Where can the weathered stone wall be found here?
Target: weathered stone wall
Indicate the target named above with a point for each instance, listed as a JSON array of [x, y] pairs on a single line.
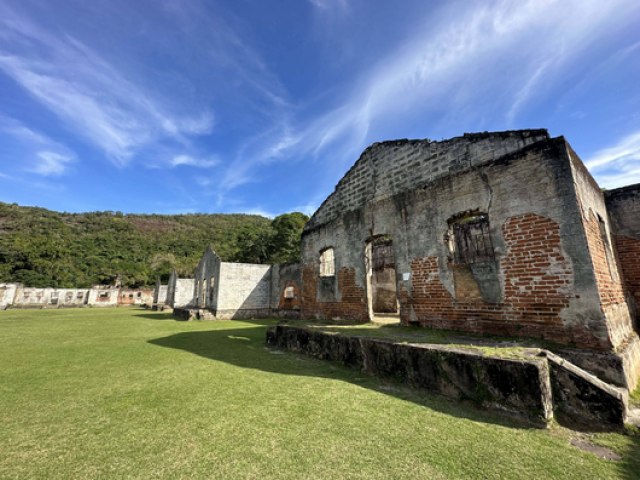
[[341, 297], [541, 283], [51, 297], [103, 297], [180, 291], [601, 247], [8, 294], [383, 291], [538, 286], [387, 168], [244, 290], [183, 292], [581, 399], [207, 280], [286, 278], [161, 293], [623, 205], [142, 296]]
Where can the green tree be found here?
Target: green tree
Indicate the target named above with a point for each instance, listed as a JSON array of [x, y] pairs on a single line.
[[287, 230]]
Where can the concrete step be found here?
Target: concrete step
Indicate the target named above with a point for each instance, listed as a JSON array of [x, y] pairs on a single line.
[[633, 417]]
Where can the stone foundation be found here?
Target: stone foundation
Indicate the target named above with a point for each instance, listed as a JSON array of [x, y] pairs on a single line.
[[530, 387], [231, 314], [620, 368]]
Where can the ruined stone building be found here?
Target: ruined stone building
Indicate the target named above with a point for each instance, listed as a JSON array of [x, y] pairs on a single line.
[[160, 293], [502, 233], [135, 296], [180, 291], [18, 296], [7, 294], [224, 290]]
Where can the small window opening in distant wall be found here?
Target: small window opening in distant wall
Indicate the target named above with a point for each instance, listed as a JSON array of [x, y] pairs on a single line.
[[289, 292], [139, 294], [327, 263], [469, 239], [105, 295], [80, 295]]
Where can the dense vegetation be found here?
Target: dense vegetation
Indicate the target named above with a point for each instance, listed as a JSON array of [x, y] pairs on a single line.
[[42, 248]]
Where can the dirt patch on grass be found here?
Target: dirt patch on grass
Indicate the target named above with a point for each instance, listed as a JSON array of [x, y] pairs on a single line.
[[598, 450]]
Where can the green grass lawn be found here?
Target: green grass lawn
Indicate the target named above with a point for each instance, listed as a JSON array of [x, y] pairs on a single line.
[[114, 393]]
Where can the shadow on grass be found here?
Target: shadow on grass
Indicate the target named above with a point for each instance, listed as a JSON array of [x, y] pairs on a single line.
[[156, 316], [630, 464], [246, 348]]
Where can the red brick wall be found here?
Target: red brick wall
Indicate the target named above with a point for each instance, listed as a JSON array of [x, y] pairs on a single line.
[[290, 303], [610, 289], [537, 287], [352, 304], [629, 255]]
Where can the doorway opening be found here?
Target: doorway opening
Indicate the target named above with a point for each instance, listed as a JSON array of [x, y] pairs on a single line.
[[382, 289]]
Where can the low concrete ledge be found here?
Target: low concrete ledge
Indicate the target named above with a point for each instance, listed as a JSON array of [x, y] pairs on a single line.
[[184, 313], [243, 313], [534, 386], [580, 398], [620, 368], [518, 387]]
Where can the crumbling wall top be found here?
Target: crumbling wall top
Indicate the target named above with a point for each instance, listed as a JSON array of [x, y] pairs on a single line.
[[394, 166]]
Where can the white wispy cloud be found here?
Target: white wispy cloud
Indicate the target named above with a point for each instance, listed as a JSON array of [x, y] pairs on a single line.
[[89, 94], [191, 161], [493, 55], [40, 154], [330, 4], [619, 164], [523, 41], [51, 163]]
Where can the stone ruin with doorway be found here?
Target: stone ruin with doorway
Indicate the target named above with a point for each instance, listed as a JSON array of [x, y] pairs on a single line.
[[225, 290], [500, 234]]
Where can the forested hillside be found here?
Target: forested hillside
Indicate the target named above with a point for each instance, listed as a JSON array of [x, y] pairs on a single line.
[[39, 247]]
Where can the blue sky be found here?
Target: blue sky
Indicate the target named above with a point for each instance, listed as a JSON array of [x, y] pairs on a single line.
[[261, 106]]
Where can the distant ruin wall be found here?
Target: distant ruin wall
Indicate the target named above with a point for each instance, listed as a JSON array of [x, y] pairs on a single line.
[[17, 296], [183, 293], [244, 290], [623, 205], [139, 297], [8, 294], [286, 290], [103, 297], [51, 297]]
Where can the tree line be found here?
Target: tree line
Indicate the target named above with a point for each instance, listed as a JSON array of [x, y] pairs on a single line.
[[43, 248]]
